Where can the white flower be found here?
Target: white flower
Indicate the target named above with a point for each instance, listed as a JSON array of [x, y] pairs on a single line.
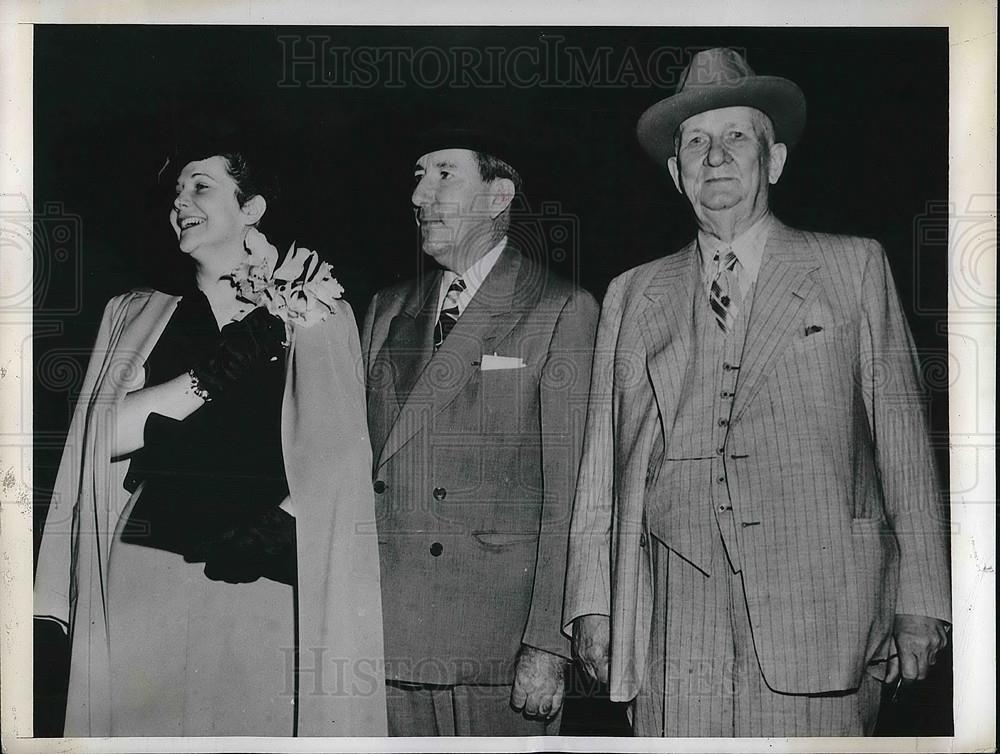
[[301, 291]]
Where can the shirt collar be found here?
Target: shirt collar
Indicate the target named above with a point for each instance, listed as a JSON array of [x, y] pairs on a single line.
[[748, 247], [475, 275]]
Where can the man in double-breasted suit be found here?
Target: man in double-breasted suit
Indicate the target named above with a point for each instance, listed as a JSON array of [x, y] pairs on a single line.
[[478, 376], [758, 532]]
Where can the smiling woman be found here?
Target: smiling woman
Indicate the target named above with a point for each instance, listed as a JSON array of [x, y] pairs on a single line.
[[199, 533]]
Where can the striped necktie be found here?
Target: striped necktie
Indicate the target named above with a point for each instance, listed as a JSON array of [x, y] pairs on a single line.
[[725, 294], [449, 312]]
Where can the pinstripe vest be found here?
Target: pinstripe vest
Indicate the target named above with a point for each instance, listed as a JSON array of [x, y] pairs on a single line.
[[693, 475]]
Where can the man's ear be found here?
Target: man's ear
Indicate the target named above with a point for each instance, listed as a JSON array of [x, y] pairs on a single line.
[[254, 208], [501, 195], [779, 153], [675, 172]]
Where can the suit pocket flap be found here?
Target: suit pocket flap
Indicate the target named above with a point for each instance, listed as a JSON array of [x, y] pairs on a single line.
[[496, 540]]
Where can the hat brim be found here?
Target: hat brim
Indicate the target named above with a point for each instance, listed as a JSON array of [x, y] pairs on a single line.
[[780, 99]]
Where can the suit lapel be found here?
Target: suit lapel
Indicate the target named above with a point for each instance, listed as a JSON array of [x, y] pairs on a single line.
[[438, 377], [667, 328], [409, 344], [403, 356], [785, 283]]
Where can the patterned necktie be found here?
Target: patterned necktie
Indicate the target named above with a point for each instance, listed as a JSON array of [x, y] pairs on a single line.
[[725, 293], [449, 312]]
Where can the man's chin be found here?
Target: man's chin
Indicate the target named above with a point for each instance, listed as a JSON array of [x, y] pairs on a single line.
[[436, 249], [719, 201]]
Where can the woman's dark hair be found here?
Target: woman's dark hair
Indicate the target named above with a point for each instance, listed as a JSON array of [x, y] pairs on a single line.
[[250, 180]]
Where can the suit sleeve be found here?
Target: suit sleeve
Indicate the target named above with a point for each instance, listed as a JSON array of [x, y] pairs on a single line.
[[563, 387], [588, 571], [910, 485]]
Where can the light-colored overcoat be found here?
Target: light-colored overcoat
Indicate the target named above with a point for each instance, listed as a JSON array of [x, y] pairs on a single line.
[[327, 460]]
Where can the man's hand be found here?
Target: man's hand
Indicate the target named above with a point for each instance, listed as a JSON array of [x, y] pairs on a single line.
[[539, 683], [591, 639], [918, 640]]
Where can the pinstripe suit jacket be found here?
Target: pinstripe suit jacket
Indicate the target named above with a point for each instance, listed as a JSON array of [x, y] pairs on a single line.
[[475, 470], [838, 466]]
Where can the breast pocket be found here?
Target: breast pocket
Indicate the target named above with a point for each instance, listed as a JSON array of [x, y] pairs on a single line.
[[509, 398]]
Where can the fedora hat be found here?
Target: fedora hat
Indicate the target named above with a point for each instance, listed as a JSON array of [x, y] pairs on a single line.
[[718, 78], [478, 135]]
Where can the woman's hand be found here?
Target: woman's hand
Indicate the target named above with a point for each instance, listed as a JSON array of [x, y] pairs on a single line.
[[242, 346], [262, 545], [255, 339]]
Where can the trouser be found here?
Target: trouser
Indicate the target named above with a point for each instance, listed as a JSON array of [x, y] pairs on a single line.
[[703, 677], [431, 710]]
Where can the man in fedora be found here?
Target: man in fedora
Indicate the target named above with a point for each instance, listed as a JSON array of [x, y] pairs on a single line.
[[758, 533], [478, 376]]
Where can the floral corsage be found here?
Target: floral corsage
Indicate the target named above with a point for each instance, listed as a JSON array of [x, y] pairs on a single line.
[[301, 291]]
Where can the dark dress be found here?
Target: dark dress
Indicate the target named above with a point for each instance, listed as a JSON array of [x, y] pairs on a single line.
[[205, 656]]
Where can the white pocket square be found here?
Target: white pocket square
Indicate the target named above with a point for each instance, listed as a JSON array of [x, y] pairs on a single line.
[[492, 361]]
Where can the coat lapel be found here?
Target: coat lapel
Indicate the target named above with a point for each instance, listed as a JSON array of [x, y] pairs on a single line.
[[438, 377], [403, 356], [410, 342], [667, 328], [785, 283]]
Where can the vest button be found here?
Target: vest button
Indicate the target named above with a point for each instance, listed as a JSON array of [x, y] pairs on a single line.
[[436, 549], [440, 493], [723, 508], [720, 451], [379, 486], [723, 422], [721, 479]]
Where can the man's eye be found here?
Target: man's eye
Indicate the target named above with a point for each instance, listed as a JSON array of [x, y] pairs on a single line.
[[736, 134], [445, 174]]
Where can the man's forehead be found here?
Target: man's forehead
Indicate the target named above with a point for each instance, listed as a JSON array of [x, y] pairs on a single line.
[[739, 114], [453, 157]]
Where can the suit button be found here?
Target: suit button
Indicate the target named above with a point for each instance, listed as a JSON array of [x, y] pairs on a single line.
[[720, 451], [642, 540], [436, 549], [440, 493], [724, 508], [723, 422], [379, 486]]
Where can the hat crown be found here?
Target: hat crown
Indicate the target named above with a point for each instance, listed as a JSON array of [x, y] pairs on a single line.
[[720, 66]]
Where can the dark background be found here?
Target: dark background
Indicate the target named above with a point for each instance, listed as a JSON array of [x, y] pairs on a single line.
[[110, 102]]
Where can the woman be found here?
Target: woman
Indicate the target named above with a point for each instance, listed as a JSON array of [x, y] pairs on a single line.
[[213, 510]]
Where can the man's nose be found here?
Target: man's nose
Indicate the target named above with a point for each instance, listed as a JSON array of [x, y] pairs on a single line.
[[422, 194], [717, 153]]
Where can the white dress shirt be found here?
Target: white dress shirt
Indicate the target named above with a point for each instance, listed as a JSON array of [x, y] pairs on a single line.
[[748, 247], [473, 277]]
